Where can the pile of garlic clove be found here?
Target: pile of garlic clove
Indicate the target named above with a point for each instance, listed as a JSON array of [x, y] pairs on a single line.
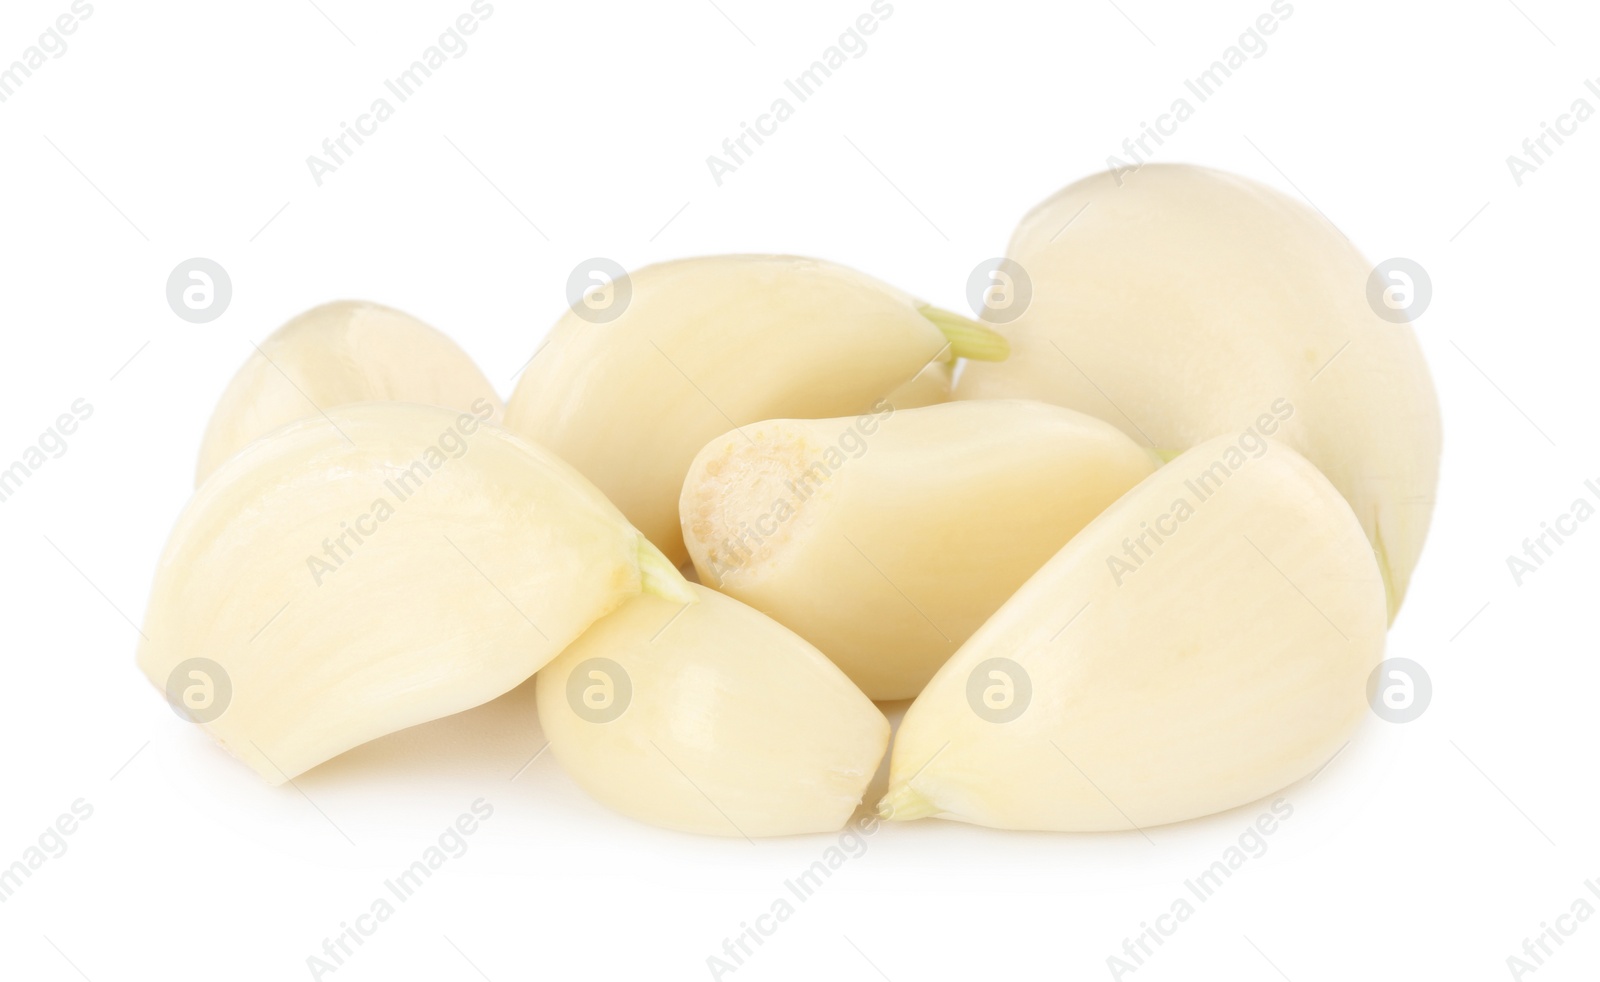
[[1132, 552]]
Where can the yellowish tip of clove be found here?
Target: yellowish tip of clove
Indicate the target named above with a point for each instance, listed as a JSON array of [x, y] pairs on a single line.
[[968, 338]]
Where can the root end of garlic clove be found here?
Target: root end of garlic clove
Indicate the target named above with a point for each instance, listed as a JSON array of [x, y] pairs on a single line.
[[968, 338], [892, 557]]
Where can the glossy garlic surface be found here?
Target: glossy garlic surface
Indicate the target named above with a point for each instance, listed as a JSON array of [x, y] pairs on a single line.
[[887, 539], [1185, 303], [704, 344], [710, 718], [387, 565], [1144, 677]]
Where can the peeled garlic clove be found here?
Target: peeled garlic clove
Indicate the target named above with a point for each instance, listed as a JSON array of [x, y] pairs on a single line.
[[1182, 303], [1203, 643], [710, 718], [334, 355], [886, 540], [389, 564], [705, 344]]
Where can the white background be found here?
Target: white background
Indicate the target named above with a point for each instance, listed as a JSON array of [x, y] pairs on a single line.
[[166, 131]]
